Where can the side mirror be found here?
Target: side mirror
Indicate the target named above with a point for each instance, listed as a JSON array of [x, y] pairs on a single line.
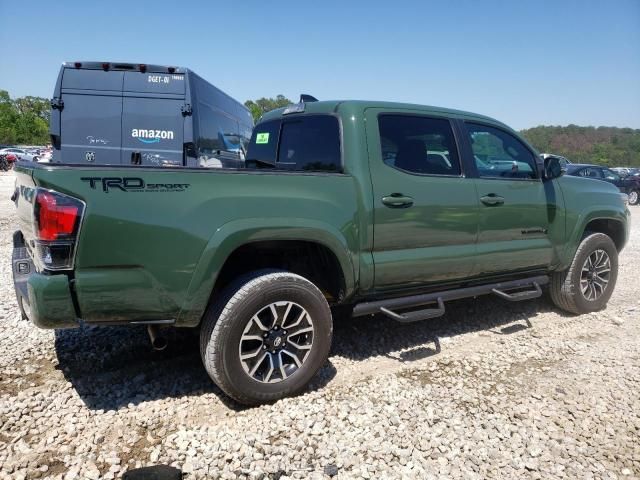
[[553, 168]]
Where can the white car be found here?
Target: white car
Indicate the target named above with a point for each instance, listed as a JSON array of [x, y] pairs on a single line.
[[45, 156], [21, 154]]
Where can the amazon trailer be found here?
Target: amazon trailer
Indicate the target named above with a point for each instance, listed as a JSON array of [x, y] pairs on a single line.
[[151, 115]]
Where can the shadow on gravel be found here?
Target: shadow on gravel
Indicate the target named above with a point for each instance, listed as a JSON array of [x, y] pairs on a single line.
[[112, 367], [360, 338]]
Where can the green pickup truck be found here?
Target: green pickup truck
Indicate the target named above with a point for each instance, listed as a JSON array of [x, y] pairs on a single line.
[[363, 207]]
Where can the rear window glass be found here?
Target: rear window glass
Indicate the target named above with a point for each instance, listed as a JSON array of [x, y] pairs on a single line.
[[263, 146], [310, 144], [306, 143]]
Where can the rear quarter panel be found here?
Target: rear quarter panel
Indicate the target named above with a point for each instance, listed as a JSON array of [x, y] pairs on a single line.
[[139, 248]]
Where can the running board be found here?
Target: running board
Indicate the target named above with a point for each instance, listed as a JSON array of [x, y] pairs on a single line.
[[388, 307]]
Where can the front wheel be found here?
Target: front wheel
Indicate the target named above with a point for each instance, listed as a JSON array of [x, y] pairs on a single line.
[[633, 197], [266, 336], [588, 283]]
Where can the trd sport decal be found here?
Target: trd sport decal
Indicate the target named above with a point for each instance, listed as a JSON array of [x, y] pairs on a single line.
[[132, 184]]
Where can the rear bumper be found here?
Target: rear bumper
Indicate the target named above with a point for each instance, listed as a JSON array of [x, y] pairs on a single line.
[[44, 299]]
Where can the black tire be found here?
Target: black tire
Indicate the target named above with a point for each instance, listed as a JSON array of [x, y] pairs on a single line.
[[565, 288], [634, 197], [36, 159], [226, 319]]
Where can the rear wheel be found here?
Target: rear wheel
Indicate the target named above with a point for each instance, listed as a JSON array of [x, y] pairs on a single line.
[[588, 283], [266, 337]]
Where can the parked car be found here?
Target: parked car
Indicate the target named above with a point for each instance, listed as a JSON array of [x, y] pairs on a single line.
[[45, 156], [339, 207], [21, 154], [629, 185], [626, 171]]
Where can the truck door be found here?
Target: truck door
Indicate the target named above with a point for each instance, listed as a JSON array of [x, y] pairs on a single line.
[[90, 116], [514, 208], [152, 119], [425, 209]]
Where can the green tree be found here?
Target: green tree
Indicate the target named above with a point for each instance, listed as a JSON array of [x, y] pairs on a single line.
[[264, 105], [24, 120], [8, 117], [38, 106]]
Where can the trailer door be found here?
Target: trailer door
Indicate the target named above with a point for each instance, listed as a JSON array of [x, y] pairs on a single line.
[[90, 118], [152, 119]]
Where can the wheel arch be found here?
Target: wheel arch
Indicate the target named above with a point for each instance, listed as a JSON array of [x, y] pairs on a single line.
[[234, 248], [611, 223], [614, 229]]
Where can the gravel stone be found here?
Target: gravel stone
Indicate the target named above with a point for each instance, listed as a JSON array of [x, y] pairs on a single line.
[[490, 390]]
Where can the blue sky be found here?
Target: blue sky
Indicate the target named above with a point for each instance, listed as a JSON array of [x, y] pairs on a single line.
[[524, 62]]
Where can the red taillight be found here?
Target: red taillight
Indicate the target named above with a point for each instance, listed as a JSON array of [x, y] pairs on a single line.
[[105, 66], [55, 221], [77, 65], [143, 67]]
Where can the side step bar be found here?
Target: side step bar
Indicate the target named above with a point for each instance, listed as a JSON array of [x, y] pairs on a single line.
[[416, 316], [501, 289]]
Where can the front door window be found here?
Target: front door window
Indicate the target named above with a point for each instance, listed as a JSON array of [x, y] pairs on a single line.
[[498, 154]]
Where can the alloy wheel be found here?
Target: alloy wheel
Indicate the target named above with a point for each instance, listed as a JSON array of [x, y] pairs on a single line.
[[594, 277], [276, 342]]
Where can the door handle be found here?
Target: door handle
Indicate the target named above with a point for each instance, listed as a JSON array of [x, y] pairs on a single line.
[[397, 200], [492, 199]]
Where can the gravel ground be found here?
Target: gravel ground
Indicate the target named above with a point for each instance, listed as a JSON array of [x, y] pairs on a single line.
[[490, 390]]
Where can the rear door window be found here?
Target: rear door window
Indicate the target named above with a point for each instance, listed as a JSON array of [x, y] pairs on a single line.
[[418, 144]]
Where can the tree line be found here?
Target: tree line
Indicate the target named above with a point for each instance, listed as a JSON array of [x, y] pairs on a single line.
[[611, 146], [25, 121]]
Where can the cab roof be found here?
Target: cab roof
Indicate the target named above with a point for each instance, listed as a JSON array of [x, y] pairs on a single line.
[[359, 106]]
